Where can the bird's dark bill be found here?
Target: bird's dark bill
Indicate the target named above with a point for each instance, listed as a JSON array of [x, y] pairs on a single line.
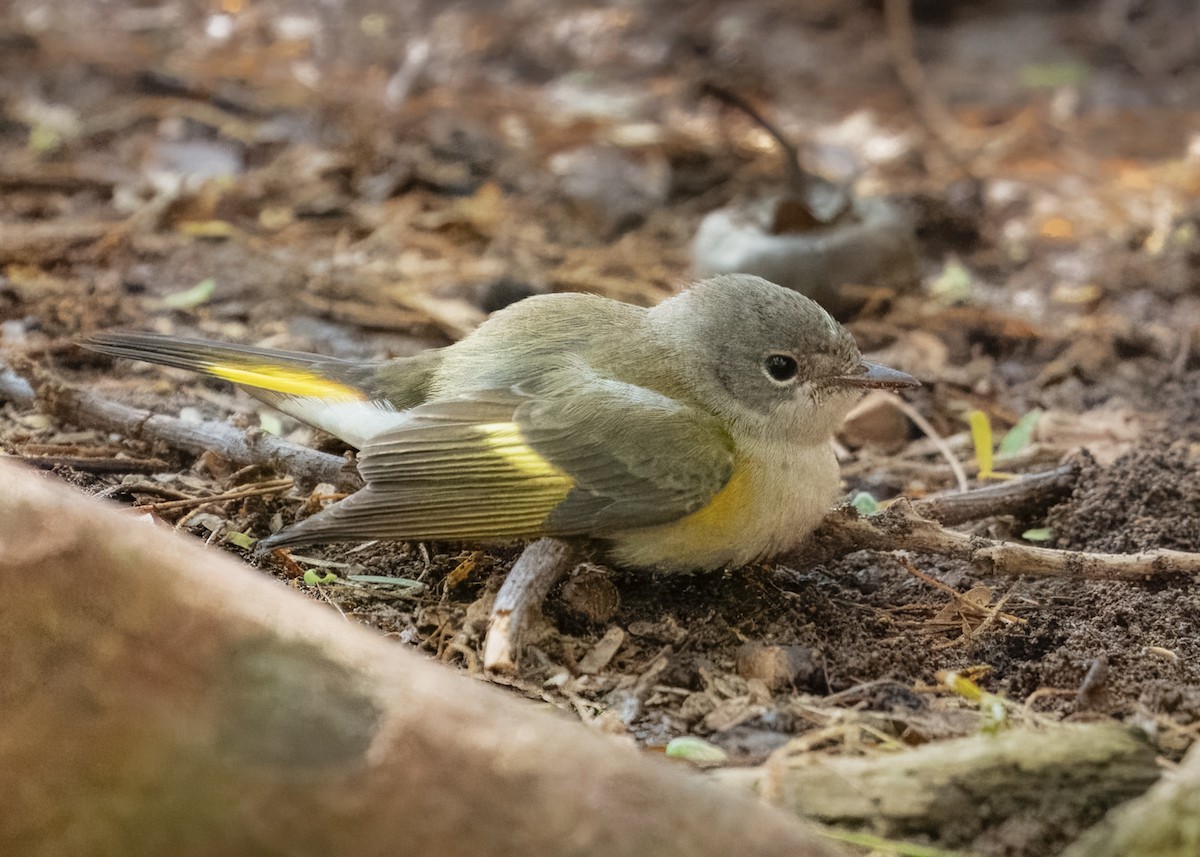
[[878, 377]]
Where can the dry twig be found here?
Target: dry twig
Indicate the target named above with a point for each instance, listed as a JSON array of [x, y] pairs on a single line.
[[521, 596], [270, 486], [900, 528], [86, 408], [939, 442], [1026, 496], [930, 109], [97, 464]]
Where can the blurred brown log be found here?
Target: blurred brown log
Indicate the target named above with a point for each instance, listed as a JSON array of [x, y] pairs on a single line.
[[159, 698]]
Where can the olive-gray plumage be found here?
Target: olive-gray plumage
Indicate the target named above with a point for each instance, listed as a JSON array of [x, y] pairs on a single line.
[[689, 435]]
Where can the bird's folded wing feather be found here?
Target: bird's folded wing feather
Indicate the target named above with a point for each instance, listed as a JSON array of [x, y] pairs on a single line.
[[570, 454]]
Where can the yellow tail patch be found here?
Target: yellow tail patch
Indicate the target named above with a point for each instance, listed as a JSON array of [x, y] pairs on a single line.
[[286, 380]]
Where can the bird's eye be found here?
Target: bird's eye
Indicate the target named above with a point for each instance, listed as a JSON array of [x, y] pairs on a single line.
[[781, 367]]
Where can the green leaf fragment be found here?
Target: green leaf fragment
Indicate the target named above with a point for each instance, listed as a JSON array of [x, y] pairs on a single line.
[[312, 578], [1038, 534], [696, 750], [864, 503], [242, 540], [1052, 75], [953, 284], [199, 294], [1019, 436]]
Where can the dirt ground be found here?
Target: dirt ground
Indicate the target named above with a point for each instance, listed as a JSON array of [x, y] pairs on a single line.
[[371, 183]]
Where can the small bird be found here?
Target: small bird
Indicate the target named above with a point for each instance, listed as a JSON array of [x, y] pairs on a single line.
[[688, 436]]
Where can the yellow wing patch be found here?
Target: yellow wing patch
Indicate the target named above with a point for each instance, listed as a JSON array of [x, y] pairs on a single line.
[[506, 440], [444, 482], [286, 380]]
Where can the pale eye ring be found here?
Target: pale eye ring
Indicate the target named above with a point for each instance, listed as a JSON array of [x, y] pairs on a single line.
[[781, 368]]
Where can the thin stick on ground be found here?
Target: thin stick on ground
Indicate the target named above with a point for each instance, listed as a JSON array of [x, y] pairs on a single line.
[[960, 475], [271, 486], [1027, 496], [88, 464], [87, 409], [930, 109], [900, 528], [521, 595], [987, 615], [797, 179]]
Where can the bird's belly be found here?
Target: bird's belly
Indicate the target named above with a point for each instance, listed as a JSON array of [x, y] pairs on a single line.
[[774, 499]]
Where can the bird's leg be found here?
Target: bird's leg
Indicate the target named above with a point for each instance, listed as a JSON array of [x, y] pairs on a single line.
[[536, 570]]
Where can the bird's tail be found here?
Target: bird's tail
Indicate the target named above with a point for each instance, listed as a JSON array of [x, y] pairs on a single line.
[[283, 373], [337, 396]]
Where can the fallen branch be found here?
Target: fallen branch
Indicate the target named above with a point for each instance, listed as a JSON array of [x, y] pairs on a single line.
[[87, 409], [900, 528], [261, 489], [1161, 823], [1027, 496], [41, 241], [932, 112], [796, 179], [521, 595], [206, 709], [962, 785], [86, 464]]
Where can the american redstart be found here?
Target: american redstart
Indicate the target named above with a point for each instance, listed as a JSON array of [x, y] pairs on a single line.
[[691, 435]]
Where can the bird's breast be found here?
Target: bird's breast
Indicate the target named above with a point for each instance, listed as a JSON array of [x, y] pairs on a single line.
[[776, 496]]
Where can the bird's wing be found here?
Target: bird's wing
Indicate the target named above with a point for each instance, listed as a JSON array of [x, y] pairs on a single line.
[[572, 454]]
